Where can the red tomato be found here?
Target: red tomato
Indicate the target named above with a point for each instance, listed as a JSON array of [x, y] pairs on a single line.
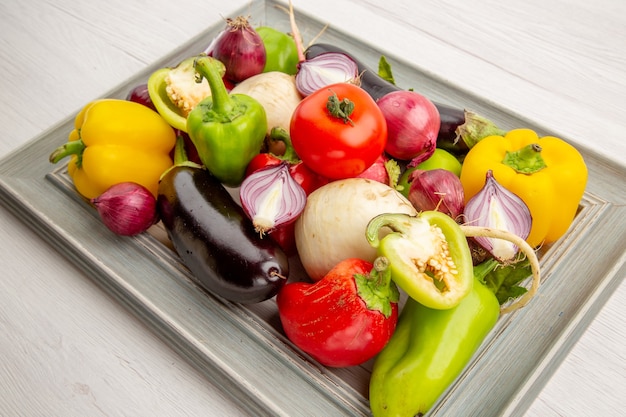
[[333, 146], [332, 322]]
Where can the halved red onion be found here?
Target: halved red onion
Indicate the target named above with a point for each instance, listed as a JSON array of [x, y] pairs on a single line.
[[323, 70], [498, 208], [270, 197]]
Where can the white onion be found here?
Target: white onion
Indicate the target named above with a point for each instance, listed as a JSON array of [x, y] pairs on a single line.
[[332, 226]]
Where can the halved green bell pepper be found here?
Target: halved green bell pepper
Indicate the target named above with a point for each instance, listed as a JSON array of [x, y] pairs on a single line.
[[428, 254], [228, 130], [157, 89]]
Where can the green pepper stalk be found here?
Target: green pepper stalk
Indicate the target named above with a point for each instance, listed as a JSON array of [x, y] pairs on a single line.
[[428, 254], [429, 349], [228, 130]]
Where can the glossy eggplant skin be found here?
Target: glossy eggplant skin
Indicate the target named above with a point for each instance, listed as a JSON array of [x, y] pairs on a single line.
[[376, 86], [216, 240]]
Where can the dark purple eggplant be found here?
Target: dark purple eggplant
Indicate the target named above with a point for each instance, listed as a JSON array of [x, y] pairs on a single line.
[[376, 86], [216, 240]]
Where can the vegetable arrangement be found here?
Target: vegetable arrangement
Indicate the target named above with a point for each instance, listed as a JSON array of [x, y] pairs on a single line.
[[380, 194]]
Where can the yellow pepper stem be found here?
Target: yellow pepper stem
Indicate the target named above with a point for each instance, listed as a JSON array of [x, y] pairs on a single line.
[[526, 160], [75, 147]]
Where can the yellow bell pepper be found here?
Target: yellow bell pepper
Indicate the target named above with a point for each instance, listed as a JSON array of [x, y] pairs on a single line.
[[547, 173], [116, 141]]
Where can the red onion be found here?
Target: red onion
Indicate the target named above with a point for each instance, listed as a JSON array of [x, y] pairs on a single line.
[[323, 70], [140, 95], [241, 50], [437, 189], [127, 208], [412, 125], [498, 208], [271, 197]]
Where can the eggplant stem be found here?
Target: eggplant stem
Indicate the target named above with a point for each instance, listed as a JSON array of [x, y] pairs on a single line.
[[478, 231]]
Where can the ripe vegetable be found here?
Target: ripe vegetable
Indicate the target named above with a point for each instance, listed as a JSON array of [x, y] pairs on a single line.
[[332, 226], [346, 318], [437, 189], [116, 141], [215, 239], [547, 173], [338, 131], [139, 94], [384, 169], [496, 207], [241, 50], [428, 256], [412, 125], [441, 159], [281, 53], [276, 92], [228, 130], [174, 91], [127, 208]]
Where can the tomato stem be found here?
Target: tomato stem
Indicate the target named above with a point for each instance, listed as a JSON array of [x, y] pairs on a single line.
[[341, 109]]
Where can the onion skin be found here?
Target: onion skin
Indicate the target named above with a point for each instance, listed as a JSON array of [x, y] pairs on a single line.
[[413, 124], [496, 207], [127, 208], [324, 70], [437, 189], [241, 49], [271, 198]]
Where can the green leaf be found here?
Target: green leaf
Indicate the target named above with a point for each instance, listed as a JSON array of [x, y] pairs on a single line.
[[384, 70], [503, 281]]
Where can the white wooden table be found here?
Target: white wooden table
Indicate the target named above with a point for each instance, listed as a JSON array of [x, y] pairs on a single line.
[[69, 349]]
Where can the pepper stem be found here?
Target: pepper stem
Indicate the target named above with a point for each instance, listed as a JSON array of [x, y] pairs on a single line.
[[526, 160], [75, 147], [377, 289], [397, 222], [212, 69], [279, 134]]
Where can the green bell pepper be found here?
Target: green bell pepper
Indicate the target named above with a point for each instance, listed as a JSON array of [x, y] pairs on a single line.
[[228, 130], [428, 254], [429, 349], [281, 51]]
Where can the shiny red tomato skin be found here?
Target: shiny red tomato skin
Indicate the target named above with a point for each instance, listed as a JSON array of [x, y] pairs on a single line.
[[329, 320], [331, 147]]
